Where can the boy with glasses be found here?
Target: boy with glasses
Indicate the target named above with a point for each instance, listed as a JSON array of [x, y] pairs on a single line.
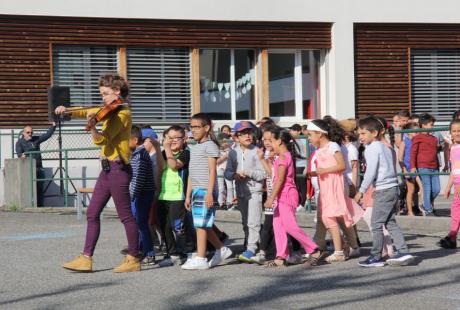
[[245, 168], [172, 215]]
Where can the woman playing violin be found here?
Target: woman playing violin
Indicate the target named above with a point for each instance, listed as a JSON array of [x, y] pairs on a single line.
[[113, 181]]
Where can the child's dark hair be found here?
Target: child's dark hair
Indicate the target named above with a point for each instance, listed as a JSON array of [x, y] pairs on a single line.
[[388, 129], [426, 118], [178, 128], [411, 126], [334, 132], [456, 114], [414, 116], [136, 133], [371, 123], [225, 126], [403, 113], [284, 135], [115, 81], [455, 121], [206, 121]]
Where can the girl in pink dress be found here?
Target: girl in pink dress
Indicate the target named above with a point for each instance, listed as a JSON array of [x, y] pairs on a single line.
[[285, 193], [336, 208]]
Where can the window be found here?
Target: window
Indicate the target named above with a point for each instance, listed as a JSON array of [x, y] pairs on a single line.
[[79, 68], [293, 83], [160, 82], [227, 82], [435, 82]]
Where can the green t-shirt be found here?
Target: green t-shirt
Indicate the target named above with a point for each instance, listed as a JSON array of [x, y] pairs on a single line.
[[174, 183]]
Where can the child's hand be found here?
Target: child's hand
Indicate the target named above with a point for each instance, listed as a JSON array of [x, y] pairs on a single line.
[[320, 171], [358, 197], [187, 204], [413, 170], [209, 201], [268, 203], [447, 193], [260, 153], [167, 143]]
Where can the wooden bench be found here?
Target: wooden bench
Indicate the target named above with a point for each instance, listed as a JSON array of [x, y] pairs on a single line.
[[82, 191]]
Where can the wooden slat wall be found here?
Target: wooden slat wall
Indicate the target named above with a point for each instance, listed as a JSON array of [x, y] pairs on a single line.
[[25, 69], [382, 63]]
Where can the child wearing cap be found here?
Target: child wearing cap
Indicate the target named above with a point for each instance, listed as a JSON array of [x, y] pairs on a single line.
[[245, 168]]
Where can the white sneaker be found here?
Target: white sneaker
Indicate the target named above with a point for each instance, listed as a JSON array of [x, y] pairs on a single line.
[[294, 259], [399, 259], [173, 260], [259, 258], [219, 256], [300, 208], [196, 263]]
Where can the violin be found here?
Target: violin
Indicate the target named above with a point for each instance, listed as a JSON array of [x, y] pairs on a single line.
[[105, 112]]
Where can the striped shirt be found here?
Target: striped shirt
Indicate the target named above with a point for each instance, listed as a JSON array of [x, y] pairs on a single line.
[[142, 180], [199, 166]]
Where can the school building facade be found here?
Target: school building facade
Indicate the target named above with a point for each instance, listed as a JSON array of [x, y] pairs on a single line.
[[291, 60]]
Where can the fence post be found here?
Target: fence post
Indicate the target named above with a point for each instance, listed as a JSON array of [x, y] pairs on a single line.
[[12, 143], [31, 174], [66, 180]]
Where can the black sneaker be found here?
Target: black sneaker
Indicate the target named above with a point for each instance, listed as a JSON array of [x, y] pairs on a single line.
[[447, 243], [148, 261], [372, 261]]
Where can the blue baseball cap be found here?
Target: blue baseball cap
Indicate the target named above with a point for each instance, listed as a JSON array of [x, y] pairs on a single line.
[[242, 125], [149, 133]]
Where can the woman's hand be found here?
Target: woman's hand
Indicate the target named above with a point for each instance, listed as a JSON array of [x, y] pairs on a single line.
[[320, 171], [60, 110], [91, 117]]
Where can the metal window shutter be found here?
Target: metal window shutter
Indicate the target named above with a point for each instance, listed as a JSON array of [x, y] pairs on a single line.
[[79, 68], [435, 82], [160, 82]]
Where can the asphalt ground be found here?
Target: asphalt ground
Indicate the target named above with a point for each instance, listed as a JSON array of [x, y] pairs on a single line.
[[34, 246]]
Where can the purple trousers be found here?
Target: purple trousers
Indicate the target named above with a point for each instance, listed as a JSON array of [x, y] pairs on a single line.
[[115, 184]]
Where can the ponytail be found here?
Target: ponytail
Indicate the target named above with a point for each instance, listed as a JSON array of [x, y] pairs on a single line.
[[334, 133], [206, 121], [286, 138]]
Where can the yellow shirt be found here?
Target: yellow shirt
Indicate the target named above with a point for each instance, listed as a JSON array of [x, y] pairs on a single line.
[[116, 132]]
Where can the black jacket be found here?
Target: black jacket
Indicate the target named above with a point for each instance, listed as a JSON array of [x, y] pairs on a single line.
[[33, 144]]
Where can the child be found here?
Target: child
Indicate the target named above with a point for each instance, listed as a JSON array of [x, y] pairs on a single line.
[[286, 197], [225, 186], [404, 161], [450, 241], [381, 171], [424, 160], [300, 164], [201, 188], [336, 209], [141, 192], [267, 237], [172, 215], [244, 167], [368, 201], [152, 146], [351, 172]]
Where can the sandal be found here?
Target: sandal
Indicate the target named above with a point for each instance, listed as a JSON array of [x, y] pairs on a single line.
[[336, 257], [277, 262], [316, 260]]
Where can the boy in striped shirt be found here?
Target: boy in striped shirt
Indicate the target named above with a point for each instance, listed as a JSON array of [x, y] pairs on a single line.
[[141, 190]]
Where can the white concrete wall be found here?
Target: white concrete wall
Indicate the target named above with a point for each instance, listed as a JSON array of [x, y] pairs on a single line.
[[343, 13]]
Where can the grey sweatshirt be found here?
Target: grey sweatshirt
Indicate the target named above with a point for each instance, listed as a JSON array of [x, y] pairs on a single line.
[[380, 167], [249, 162]]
